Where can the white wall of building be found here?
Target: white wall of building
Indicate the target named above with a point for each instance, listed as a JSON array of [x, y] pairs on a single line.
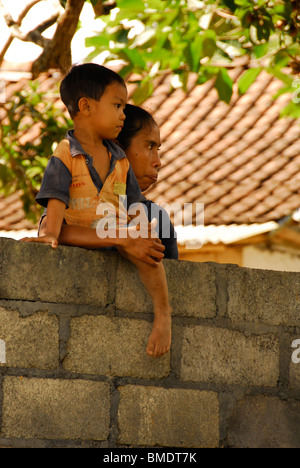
[[255, 257]]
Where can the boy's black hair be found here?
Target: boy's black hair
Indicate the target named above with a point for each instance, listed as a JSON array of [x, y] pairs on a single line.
[[136, 120], [86, 80]]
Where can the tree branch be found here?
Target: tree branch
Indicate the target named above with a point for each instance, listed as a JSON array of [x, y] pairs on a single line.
[[15, 32], [57, 51]]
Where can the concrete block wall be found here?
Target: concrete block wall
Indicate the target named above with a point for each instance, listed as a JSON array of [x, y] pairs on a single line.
[[74, 372]]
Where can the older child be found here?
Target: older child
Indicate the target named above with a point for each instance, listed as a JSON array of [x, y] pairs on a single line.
[[88, 169]]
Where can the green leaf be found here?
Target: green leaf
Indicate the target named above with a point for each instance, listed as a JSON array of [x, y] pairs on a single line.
[[196, 53], [143, 92], [134, 57], [281, 91], [136, 5], [292, 109], [97, 41], [243, 3], [204, 45], [224, 85], [209, 46], [288, 80], [34, 171], [260, 50], [247, 79], [183, 77]]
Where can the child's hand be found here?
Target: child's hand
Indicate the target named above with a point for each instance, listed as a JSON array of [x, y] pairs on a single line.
[[46, 239]]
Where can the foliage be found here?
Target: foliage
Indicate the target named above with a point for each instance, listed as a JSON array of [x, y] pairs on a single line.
[[22, 164], [204, 37]]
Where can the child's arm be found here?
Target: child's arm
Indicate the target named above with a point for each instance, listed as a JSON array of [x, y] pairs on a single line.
[[55, 214], [148, 250]]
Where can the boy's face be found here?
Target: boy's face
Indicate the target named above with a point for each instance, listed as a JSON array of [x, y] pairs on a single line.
[[107, 115]]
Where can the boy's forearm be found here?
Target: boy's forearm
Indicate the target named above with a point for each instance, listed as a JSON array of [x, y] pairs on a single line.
[[146, 250], [81, 236], [55, 215]]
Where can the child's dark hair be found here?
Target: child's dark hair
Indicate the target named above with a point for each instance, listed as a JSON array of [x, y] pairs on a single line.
[[137, 119], [86, 80]]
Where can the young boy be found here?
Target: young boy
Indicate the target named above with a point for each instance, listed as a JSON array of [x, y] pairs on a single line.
[[88, 169]]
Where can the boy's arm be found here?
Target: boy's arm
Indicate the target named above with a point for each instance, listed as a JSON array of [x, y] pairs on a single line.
[[149, 250], [51, 230], [55, 213]]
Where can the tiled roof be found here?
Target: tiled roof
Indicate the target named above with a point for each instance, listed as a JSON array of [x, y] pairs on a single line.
[[12, 216], [241, 160]]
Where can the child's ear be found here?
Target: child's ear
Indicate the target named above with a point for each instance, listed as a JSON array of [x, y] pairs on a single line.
[[84, 105]]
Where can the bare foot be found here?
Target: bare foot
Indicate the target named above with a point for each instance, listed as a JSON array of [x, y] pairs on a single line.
[[159, 342]]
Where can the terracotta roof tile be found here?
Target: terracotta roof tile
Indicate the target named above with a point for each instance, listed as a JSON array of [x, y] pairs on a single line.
[[230, 157], [12, 216]]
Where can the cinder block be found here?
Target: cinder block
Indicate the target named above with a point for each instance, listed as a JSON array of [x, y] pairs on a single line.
[[67, 275], [264, 422], [218, 355], [152, 416], [192, 289], [31, 341], [113, 346], [55, 409], [264, 297]]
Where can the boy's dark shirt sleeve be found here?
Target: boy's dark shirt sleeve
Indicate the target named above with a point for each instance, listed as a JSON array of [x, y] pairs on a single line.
[[56, 182]]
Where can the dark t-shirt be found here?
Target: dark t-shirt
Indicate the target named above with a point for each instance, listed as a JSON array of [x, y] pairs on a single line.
[[165, 230]]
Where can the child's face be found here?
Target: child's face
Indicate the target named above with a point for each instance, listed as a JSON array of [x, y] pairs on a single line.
[[143, 156], [107, 115]]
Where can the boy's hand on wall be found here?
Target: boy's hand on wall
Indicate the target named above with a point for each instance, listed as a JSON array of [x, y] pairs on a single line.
[[47, 239]]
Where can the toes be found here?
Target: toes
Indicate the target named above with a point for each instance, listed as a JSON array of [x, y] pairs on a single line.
[[150, 350]]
